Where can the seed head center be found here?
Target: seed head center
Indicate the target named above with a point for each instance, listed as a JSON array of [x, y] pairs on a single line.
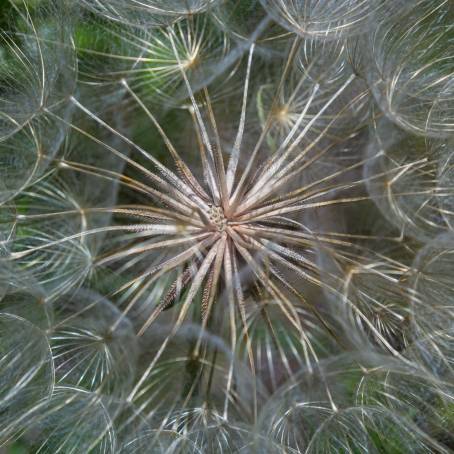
[[217, 218]]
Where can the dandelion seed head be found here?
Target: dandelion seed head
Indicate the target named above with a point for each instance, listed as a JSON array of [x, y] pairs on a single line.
[[226, 226]]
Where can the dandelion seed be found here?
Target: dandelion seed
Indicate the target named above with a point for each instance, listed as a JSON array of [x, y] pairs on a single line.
[[432, 305], [411, 70], [71, 418], [409, 191], [27, 374], [148, 12], [86, 351], [328, 19], [37, 74], [353, 404]]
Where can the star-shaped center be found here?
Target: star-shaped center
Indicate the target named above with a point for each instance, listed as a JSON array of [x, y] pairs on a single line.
[[217, 218]]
